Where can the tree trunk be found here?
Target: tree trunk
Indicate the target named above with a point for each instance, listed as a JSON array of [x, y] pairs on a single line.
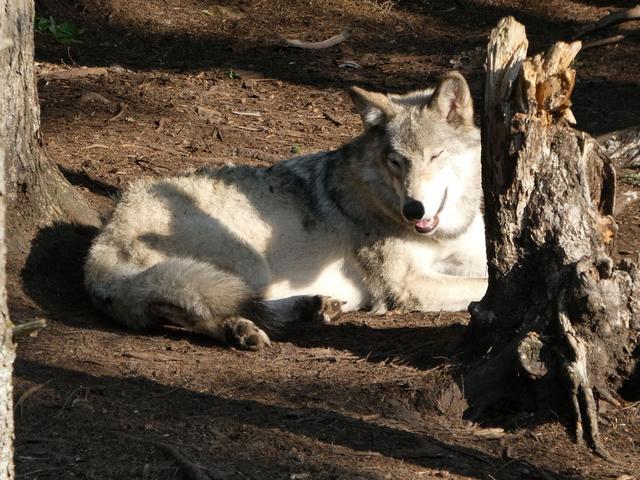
[[559, 321], [32, 190], [36, 191], [7, 351]]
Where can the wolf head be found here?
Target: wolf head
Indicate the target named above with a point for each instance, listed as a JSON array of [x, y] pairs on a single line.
[[421, 156]]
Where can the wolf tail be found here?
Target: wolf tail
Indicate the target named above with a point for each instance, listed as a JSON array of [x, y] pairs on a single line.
[[187, 292]]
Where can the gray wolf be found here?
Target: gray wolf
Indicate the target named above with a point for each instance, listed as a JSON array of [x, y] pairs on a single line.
[[390, 220]]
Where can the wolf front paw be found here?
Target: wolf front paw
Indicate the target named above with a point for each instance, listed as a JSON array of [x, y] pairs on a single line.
[[244, 334]]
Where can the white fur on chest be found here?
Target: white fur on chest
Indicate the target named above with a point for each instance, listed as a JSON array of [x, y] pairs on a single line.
[[461, 256]]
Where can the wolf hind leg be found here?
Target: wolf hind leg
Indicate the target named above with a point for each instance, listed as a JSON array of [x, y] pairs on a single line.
[[234, 330], [305, 308]]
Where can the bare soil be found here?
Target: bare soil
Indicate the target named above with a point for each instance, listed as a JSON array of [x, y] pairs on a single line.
[[177, 84]]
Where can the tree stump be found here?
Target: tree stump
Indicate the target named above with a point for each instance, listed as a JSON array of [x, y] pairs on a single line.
[[559, 322]]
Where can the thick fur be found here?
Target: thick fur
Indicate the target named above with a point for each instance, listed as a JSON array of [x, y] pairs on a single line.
[[214, 249]]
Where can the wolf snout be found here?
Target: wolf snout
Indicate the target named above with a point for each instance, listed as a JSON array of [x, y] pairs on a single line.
[[413, 210]]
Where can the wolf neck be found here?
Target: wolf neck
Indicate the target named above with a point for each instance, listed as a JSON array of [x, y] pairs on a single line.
[[329, 186], [351, 186], [361, 195]]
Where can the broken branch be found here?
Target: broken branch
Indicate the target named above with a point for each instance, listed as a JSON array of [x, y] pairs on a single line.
[[328, 43], [612, 19], [75, 73], [609, 40]]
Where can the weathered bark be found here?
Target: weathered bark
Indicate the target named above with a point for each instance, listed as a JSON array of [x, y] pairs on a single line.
[[31, 188], [37, 193], [7, 351], [559, 320]]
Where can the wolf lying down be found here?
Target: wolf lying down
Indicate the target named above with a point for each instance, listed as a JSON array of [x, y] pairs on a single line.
[[390, 220]]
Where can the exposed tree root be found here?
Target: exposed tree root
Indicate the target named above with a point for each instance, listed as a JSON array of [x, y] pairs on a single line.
[[577, 372]]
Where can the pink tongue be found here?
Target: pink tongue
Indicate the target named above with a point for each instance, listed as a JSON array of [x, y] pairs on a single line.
[[426, 224]]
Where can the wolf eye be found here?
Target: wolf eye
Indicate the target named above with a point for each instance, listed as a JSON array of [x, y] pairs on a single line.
[[394, 163]]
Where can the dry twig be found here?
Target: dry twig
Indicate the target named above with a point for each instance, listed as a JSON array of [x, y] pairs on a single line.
[[71, 73], [328, 43], [26, 328], [28, 393], [122, 108], [609, 40], [247, 114]]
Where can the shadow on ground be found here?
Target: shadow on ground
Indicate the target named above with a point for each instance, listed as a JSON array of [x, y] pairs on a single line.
[[208, 419], [437, 33]]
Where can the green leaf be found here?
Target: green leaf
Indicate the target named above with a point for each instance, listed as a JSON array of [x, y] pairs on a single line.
[[65, 33]]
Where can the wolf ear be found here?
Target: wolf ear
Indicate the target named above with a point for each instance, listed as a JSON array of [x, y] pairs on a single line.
[[374, 108], [453, 100]]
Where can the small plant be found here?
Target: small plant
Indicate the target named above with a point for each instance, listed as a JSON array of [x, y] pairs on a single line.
[[64, 33], [631, 178], [296, 150]]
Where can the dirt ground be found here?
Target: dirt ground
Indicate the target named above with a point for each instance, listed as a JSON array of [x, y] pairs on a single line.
[[177, 84]]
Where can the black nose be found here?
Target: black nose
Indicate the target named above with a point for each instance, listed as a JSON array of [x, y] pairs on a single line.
[[413, 210]]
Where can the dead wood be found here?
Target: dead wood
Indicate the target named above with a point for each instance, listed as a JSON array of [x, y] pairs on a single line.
[[613, 18], [247, 114], [622, 147], [71, 73], [27, 328], [122, 107], [328, 43], [609, 40], [333, 119], [559, 321]]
